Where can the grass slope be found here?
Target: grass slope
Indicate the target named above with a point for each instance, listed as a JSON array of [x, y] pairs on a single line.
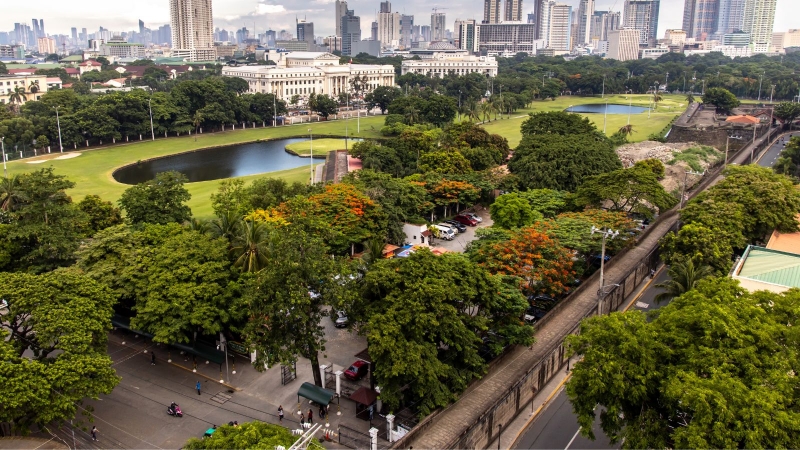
[[321, 146], [92, 170], [668, 108]]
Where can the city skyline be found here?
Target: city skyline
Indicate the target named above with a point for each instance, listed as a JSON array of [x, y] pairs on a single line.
[[276, 15]]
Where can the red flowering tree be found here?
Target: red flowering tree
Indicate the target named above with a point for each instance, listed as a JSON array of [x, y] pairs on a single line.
[[352, 216]]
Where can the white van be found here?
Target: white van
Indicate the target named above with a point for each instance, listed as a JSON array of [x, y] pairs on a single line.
[[445, 232]]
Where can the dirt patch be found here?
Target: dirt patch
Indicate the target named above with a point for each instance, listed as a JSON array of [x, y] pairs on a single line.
[[677, 159]]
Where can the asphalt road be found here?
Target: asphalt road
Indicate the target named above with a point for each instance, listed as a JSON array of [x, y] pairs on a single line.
[[769, 157], [557, 426]]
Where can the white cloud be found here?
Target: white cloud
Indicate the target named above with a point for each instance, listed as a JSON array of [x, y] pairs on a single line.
[[264, 8]]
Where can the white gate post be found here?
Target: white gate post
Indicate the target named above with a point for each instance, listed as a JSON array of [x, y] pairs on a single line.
[[389, 427], [373, 438], [338, 374], [322, 374]]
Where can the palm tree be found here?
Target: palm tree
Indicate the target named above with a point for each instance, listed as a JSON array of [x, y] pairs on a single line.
[[374, 249], [250, 246], [17, 95], [690, 98], [10, 193], [198, 225], [656, 98], [34, 87], [412, 115], [197, 120], [227, 225], [684, 275], [486, 110], [627, 130], [473, 113]]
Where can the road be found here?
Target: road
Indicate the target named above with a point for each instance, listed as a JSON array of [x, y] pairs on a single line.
[[769, 157], [557, 426]]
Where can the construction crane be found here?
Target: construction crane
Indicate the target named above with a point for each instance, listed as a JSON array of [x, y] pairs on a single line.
[[436, 9]]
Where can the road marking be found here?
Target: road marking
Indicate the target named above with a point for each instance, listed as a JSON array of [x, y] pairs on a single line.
[[573, 439], [642, 305]]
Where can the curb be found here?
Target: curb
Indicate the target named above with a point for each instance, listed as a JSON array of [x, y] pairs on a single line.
[[644, 288], [540, 408]]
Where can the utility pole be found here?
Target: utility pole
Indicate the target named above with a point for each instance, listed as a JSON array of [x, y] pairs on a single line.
[[607, 233], [311, 162], [58, 122], [603, 95], [3, 145], [152, 131], [759, 87], [666, 83], [605, 115]]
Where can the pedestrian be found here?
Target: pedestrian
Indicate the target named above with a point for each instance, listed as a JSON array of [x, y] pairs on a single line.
[[321, 412], [152, 358], [94, 433], [198, 386], [302, 420], [310, 417], [370, 412], [280, 413], [235, 424]]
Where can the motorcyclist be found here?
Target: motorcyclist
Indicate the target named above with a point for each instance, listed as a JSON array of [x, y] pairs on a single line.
[[172, 407]]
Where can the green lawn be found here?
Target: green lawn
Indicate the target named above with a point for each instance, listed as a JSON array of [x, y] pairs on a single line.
[[668, 108], [92, 170], [320, 146]]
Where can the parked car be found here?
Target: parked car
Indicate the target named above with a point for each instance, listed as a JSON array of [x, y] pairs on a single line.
[[542, 301], [357, 370], [534, 314], [459, 226], [339, 319], [466, 220], [447, 225], [446, 233], [473, 216]]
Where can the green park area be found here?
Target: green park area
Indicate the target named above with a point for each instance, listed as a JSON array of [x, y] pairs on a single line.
[[643, 126], [320, 147], [92, 170]]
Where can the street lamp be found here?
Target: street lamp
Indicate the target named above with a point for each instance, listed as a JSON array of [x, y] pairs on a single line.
[[607, 233], [152, 130], [3, 146], [311, 163], [58, 122], [630, 107], [759, 86]]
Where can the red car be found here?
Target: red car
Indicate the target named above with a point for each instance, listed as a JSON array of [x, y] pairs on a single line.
[[466, 220], [357, 371]]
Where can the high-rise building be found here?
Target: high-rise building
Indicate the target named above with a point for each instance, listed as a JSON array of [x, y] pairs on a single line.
[[465, 35], [555, 20], [272, 36], [74, 35], [192, 29], [351, 31], [46, 45], [602, 23], [583, 26], [623, 45], [388, 28], [340, 10], [513, 12], [386, 7], [425, 32], [784, 40], [438, 27], [642, 15], [507, 37], [373, 36], [759, 19], [730, 16], [700, 18], [736, 39], [531, 18], [491, 11], [406, 30], [675, 37], [305, 32]]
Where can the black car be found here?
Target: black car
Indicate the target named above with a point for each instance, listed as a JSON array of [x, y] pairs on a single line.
[[457, 225], [534, 314], [542, 301]]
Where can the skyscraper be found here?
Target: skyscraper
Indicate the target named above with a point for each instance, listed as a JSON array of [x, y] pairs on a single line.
[[351, 31], [491, 11], [584, 26], [465, 34], [513, 12], [305, 32], [74, 34], [531, 18], [192, 29], [560, 16], [602, 23], [699, 18], [339, 12], [437, 27], [386, 7], [406, 30], [642, 15], [759, 19], [730, 16], [388, 27]]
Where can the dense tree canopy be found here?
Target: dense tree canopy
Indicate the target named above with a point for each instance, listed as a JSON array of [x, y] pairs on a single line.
[[160, 200], [715, 369], [557, 122], [513, 211], [721, 98], [635, 190], [248, 435]]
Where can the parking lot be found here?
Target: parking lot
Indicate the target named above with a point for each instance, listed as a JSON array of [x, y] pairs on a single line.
[[459, 244]]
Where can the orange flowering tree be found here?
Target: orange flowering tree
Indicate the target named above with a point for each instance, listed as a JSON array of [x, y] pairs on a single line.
[[351, 215], [542, 265]]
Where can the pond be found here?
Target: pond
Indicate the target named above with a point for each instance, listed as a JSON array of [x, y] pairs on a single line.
[[220, 162], [600, 108]]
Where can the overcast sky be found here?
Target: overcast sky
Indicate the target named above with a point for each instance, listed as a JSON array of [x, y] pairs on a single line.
[[60, 15]]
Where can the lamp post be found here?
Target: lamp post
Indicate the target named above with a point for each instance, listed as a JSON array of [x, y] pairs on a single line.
[[152, 130], [605, 115], [311, 162], [630, 107], [58, 122], [603, 95], [3, 146], [607, 233], [347, 116], [274, 109], [759, 86]]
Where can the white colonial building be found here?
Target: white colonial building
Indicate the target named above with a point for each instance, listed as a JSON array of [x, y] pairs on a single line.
[[441, 59], [304, 73]]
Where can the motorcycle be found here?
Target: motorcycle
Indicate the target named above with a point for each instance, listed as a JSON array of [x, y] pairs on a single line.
[[174, 410]]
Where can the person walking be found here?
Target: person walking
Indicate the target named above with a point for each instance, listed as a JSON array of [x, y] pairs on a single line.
[[152, 358], [198, 386], [280, 413], [94, 432], [310, 417]]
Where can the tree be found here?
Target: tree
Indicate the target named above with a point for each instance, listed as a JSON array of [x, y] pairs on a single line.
[[231, 197], [690, 98], [548, 202], [325, 106], [631, 190], [787, 112], [513, 211], [382, 97], [426, 318], [689, 378], [445, 162], [17, 95], [249, 246], [101, 214], [562, 162], [246, 436], [160, 200], [53, 347], [557, 122], [10, 193], [683, 277], [539, 262], [701, 244], [721, 98], [789, 160]]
